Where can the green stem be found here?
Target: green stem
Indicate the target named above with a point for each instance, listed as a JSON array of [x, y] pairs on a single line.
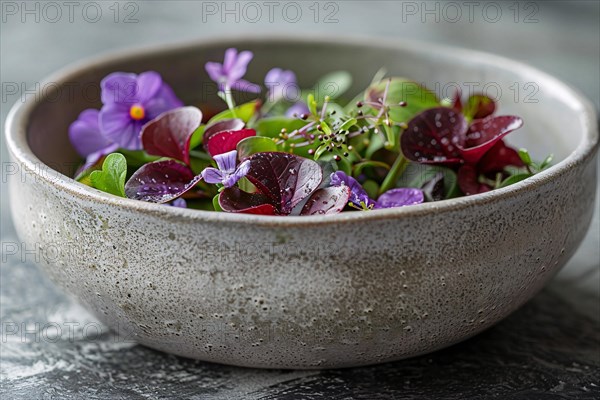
[[394, 174], [226, 95]]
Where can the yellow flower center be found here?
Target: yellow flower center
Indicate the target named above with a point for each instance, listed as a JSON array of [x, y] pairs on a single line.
[[137, 112]]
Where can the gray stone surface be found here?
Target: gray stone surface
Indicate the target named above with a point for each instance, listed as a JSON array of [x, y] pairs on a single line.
[[548, 349]]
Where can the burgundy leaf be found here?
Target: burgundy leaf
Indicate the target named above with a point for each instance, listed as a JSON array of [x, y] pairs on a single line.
[[484, 133], [498, 157], [480, 106], [160, 181], [237, 201], [456, 102], [227, 141], [285, 178], [169, 134], [329, 200], [234, 124], [468, 181], [434, 136]]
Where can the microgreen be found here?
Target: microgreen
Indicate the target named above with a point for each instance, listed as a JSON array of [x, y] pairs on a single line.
[[111, 178], [292, 150]]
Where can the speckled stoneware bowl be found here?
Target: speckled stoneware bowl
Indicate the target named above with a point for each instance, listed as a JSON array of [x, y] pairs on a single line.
[[305, 292]]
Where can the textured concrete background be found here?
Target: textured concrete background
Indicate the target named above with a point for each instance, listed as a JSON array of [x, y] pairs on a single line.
[[551, 348]]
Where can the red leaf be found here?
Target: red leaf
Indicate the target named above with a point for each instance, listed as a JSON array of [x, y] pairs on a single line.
[[329, 200], [498, 157], [456, 102], [468, 181], [484, 133], [169, 134], [226, 141], [234, 124], [237, 201], [434, 136], [160, 181], [285, 178]]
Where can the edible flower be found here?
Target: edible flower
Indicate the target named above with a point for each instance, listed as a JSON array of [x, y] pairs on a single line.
[[280, 83], [228, 172], [229, 74], [360, 199], [129, 102], [88, 140]]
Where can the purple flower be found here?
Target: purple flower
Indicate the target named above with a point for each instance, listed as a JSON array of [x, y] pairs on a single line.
[[178, 202], [227, 173], [280, 83], [358, 195], [229, 74], [297, 109], [130, 101], [88, 140], [400, 197], [392, 198]]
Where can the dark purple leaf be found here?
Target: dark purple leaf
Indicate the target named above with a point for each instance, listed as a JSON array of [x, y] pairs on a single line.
[[434, 136], [223, 125], [484, 133], [160, 181], [224, 142], [169, 134], [498, 157], [468, 181], [329, 200], [237, 201], [285, 178]]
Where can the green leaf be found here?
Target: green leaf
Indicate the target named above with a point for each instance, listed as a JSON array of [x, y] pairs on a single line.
[[416, 175], [255, 144], [333, 85], [243, 111], [272, 126], [369, 163], [111, 179], [348, 124], [137, 158], [417, 98], [215, 202], [525, 157], [371, 187], [325, 128], [312, 104], [84, 176], [513, 179], [546, 163], [319, 152], [197, 137]]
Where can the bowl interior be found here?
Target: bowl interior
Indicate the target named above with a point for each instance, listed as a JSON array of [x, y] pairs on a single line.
[[551, 112]]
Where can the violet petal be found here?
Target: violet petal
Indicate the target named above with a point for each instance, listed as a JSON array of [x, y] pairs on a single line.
[[119, 87], [85, 133], [400, 197], [212, 175], [147, 85], [226, 161], [358, 195]]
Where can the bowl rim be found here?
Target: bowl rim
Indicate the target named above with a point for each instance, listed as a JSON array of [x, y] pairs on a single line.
[[18, 119]]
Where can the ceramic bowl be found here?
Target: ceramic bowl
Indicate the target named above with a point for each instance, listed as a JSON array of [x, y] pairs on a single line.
[[305, 292]]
